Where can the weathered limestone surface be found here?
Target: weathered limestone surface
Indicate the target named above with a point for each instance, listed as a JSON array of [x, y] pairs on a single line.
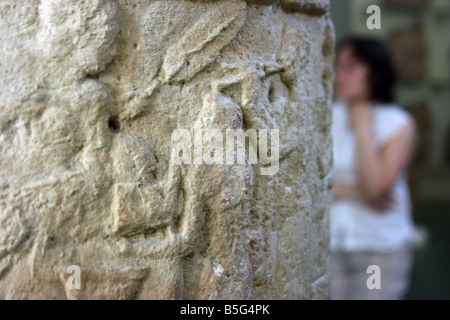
[[90, 93]]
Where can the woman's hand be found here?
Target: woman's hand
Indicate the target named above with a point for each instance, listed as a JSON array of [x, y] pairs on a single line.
[[383, 203], [360, 115], [342, 191]]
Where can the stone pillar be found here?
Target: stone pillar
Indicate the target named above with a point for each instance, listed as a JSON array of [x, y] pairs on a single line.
[[91, 93]]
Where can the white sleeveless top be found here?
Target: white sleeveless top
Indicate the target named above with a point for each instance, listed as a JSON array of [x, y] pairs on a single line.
[[354, 225]]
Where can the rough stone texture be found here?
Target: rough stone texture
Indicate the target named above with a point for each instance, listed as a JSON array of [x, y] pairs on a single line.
[[90, 93]]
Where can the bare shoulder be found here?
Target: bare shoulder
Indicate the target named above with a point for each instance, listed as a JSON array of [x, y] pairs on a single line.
[[405, 138], [400, 128]]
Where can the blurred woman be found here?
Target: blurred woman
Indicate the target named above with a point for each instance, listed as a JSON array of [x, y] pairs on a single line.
[[374, 142]]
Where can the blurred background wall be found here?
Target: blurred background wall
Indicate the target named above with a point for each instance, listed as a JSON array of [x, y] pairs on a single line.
[[418, 33]]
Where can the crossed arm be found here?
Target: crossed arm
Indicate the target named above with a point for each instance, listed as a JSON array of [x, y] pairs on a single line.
[[377, 169]]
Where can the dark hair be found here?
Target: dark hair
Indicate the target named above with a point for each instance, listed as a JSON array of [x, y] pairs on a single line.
[[376, 55]]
